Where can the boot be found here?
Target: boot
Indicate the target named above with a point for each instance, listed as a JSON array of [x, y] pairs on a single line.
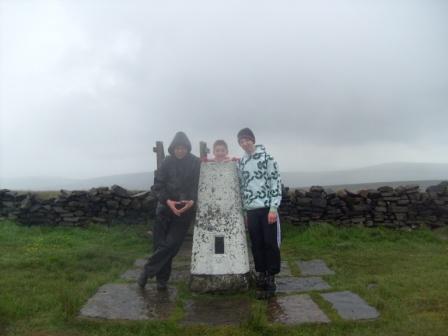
[[271, 286], [162, 285], [142, 279], [261, 286]]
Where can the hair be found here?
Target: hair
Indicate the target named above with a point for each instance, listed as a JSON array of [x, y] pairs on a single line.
[[220, 143]]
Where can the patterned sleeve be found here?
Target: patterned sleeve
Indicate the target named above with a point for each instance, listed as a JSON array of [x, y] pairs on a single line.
[[275, 184]]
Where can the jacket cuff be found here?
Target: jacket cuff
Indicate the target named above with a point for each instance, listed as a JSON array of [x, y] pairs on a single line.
[[273, 209]]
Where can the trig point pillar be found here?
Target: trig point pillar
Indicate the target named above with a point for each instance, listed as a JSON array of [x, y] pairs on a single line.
[[219, 261]]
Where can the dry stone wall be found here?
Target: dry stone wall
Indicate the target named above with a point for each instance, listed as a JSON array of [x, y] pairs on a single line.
[[78, 208], [403, 207]]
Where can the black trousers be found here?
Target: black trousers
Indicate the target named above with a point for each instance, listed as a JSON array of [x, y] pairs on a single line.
[[169, 232], [264, 239]]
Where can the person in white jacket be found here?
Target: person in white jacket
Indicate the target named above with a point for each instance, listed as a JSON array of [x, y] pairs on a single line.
[[261, 193]]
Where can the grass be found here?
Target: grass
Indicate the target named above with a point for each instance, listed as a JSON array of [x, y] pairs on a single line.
[[47, 274]]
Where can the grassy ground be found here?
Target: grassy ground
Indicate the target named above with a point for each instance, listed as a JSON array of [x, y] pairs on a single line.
[[47, 274]]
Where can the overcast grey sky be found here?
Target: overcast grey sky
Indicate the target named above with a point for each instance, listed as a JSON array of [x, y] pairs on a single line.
[[87, 87]]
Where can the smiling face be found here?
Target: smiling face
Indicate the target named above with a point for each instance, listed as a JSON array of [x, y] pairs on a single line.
[[247, 145], [180, 151], [220, 152]]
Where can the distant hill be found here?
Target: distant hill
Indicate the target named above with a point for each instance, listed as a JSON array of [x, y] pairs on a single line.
[[423, 174], [388, 172]]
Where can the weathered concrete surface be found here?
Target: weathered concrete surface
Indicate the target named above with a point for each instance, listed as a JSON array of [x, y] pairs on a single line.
[[217, 310], [314, 267], [226, 283], [299, 284], [219, 240], [295, 309], [350, 306], [127, 302]]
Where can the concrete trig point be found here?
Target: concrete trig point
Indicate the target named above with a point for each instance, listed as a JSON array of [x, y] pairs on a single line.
[[219, 261]]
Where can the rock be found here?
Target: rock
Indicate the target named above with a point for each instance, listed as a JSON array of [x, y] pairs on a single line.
[[119, 191]]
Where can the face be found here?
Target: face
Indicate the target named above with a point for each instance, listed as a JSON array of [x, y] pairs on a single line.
[[220, 152], [180, 151], [247, 145]]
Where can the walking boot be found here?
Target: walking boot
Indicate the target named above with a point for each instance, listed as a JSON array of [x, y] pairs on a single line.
[[142, 279], [271, 286], [261, 285], [162, 285]]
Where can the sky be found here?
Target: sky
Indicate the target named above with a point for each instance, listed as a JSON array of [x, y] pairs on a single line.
[[87, 87]]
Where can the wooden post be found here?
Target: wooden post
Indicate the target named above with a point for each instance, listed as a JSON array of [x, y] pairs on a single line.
[[203, 150], [160, 153]]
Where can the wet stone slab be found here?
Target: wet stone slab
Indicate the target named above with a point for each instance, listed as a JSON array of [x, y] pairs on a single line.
[[284, 269], [177, 275], [217, 310], [350, 306], [127, 302], [295, 309], [314, 267], [300, 284]]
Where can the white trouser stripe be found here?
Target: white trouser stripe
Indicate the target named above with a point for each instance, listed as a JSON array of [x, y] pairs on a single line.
[[279, 232]]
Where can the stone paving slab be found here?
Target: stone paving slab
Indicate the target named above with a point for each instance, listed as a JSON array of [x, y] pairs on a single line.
[[217, 311], [295, 309], [350, 306], [314, 267], [140, 262], [177, 276], [284, 269], [127, 302], [300, 284]]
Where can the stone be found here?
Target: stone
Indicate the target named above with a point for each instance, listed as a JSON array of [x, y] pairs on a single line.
[[217, 310], [295, 309], [300, 284], [119, 191], [127, 302], [219, 258], [350, 306], [140, 262], [284, 269], [314, 267]]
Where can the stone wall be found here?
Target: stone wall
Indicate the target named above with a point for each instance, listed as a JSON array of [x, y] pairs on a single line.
[[401, 207], [77, 208]]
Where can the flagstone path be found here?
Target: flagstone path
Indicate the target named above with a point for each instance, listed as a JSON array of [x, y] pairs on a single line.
[[125, 301]]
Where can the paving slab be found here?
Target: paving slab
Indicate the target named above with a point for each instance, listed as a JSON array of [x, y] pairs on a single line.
[[217, 310], [128, 302], [350, 306], [295, 309], [177, 275], [300, 284], [314, 267], [140, 262], [284, 269]]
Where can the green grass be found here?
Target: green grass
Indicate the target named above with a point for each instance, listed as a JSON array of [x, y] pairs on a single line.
[[47, 274]]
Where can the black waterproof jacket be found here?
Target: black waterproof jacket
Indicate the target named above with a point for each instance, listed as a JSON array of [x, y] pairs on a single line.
[[177, 179]]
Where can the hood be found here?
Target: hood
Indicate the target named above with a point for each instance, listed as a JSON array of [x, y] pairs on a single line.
[[179, 139]]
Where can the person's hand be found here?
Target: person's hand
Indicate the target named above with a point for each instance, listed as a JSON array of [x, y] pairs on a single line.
[[187, 206], [172, 205], [272, 217]]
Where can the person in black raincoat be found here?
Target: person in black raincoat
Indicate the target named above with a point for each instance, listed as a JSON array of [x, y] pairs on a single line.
[[175, 186]]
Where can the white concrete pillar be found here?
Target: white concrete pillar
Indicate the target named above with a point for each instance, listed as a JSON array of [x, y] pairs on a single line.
[[219, 261]]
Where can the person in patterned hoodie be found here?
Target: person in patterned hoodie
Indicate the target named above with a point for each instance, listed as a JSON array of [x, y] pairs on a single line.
[[261, 193]]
